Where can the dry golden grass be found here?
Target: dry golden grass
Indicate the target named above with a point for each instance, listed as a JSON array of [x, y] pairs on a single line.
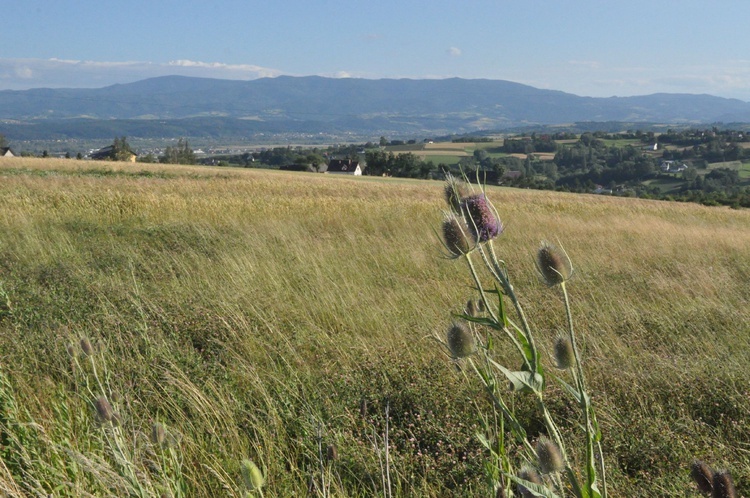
[[249, 309]]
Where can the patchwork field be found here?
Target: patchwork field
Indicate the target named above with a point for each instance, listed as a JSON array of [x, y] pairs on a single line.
[[286, 318]]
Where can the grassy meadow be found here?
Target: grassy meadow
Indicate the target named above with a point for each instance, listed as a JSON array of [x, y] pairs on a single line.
[[227, 314]]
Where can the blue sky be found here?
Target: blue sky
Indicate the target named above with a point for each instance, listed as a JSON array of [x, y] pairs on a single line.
[[595, 48]]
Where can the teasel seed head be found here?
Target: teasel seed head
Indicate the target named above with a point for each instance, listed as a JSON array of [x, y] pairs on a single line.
[[723, 486], [531, 475], [456, 235], [86, 347], [481, 218], [471, 309], [553, 264], [251, 475], [703, 476], [104, 410], [454, 191], [158, 434], [500, 489], [564, 354], [332, 453], [549, 456], [460, 339]]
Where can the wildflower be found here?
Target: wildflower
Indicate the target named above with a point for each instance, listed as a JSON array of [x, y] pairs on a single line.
[[564, 355], [549, 455], [455, 190], [104, 409], [553, 264], [723, 486], [531, 475], [455, 235], [483, 223], [703, 476], [461, 341], [251, 475]]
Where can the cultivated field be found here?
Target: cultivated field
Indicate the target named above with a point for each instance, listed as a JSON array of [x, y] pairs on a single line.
[[264, 315]]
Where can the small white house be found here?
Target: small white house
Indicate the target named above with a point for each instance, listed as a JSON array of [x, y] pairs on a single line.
[[6, 152], [344, 167], [672, 166]]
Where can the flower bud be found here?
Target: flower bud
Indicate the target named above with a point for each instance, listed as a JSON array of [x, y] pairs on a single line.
[[553, 264], [460, 340], [251, 475], [456, 235], [482, 221], [549, 456], [531, 475], [332, 453], [158, 434], [104, 409], [454, 191], [723, 486], [703, 476], [564, 355], [86, 347]]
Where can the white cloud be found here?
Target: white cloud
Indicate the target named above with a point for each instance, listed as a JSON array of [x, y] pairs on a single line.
[[454, 52], [19, 74], [24, 72]]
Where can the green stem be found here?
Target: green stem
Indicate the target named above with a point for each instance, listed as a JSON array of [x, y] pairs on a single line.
[[493, 315], [501, 276], [584, 400]]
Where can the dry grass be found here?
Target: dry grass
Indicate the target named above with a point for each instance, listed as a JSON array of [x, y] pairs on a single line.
[[251, 309]]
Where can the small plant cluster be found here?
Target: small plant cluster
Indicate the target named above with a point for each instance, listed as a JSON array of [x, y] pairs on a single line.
[[533, 465]]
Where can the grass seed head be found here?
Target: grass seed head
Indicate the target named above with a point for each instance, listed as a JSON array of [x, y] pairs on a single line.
[[564, 355], [460, 340], [104, 409], [549, 455], [481, 219], [723, 486], [554, 265], [703, 476], [456, 235], [251, 475]]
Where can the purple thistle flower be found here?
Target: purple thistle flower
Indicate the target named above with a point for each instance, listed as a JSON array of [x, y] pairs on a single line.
[[481, 218]]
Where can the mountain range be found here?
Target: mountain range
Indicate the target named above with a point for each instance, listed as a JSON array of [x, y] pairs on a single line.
[[184, 106]]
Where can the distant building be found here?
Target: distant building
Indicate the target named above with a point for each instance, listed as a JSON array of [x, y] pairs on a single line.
[[108, 154], [345, 167], [6, 152], [672, 166]]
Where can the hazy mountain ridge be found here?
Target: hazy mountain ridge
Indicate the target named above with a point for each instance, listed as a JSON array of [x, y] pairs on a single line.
[[316, 104]]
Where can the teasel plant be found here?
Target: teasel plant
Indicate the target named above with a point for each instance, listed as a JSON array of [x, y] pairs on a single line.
[[470, 226]]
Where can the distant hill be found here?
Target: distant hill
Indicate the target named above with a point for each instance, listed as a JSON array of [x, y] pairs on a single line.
[[318, 105]]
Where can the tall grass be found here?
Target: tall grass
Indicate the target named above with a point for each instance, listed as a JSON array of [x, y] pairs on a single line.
[[262, 316]]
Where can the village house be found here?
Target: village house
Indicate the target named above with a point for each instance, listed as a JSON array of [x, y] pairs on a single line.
[[108, 154], [672, 167], [345, 167]]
